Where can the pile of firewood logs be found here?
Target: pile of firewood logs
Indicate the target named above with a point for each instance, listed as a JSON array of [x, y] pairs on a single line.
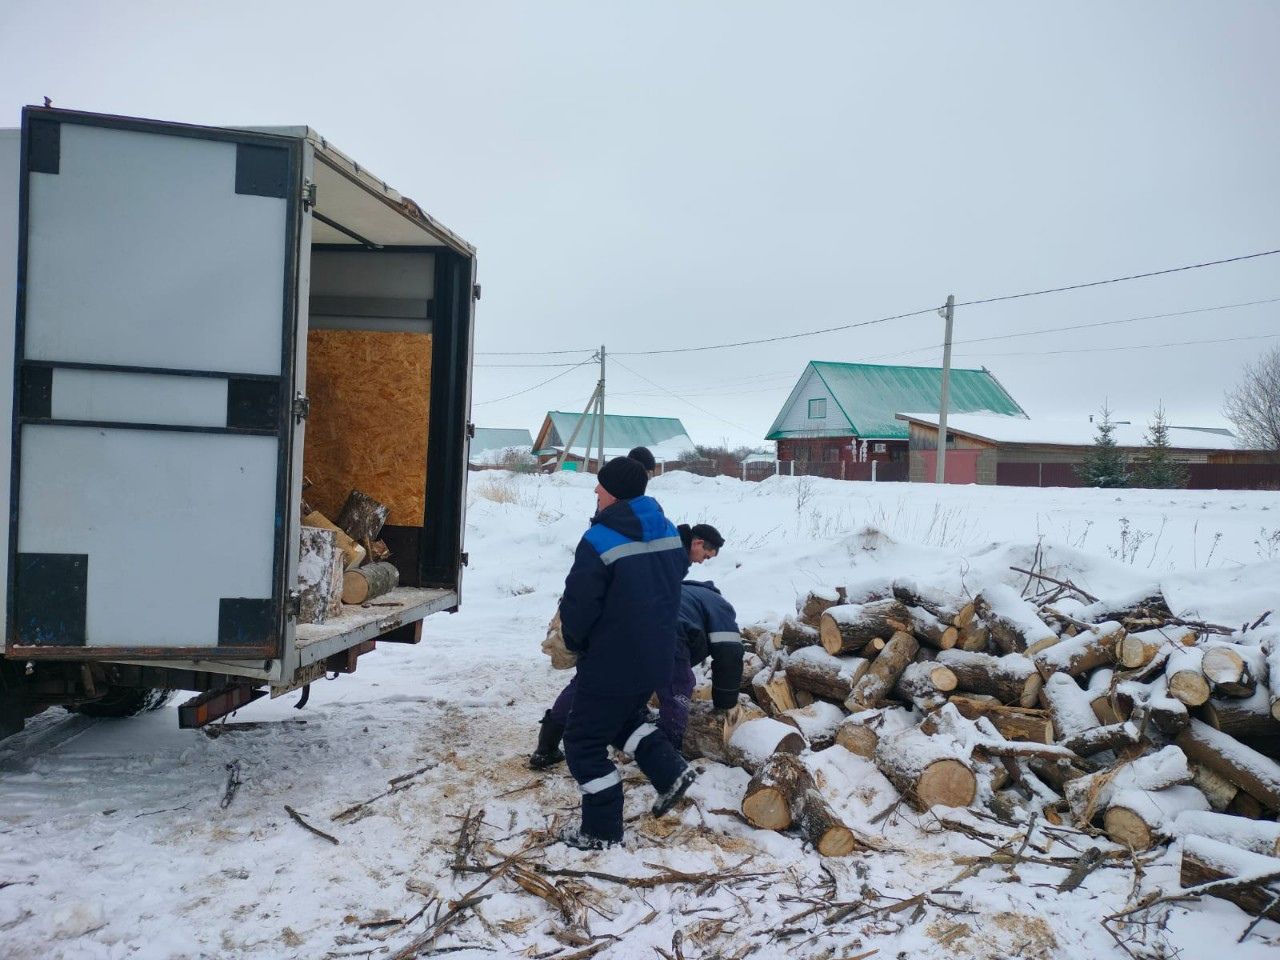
[[1116, 718], [332, 567]]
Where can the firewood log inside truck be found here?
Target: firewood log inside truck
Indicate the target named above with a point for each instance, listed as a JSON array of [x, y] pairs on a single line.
[[261, 307]]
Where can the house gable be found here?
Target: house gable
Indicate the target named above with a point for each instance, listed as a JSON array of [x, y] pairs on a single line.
[[811, 410]]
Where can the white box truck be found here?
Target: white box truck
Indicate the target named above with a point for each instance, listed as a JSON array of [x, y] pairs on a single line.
[[202, 317]]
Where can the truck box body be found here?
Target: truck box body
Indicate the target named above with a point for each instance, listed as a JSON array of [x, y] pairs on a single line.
[[204, 316]]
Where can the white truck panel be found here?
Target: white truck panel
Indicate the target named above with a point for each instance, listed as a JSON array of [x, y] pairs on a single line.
[[138, 398], [205, 501], [10, 160], [127, 205]]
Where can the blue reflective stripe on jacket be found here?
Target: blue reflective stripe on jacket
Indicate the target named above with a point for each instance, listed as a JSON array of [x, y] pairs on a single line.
[[621, 599], [709, 627]]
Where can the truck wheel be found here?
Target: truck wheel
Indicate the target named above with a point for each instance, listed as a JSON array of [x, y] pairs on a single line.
[[124, 702]]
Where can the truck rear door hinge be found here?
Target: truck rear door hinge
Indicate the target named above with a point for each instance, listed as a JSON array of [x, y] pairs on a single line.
[[308, 194], [466, 559], [294, 605], [475, 291], [471, 431], [301, 408]]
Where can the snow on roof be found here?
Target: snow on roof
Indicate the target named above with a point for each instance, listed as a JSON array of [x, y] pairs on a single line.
[[668, 451], [622, 433], [499, 438], [1076, 432]]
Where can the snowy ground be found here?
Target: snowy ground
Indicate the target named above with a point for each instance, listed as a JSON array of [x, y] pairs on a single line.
[[114, 844]]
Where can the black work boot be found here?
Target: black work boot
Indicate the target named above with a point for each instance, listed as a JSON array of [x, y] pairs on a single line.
[[548, 753]]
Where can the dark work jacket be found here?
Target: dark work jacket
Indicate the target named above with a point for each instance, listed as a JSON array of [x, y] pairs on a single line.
[[621, 599], [709, 628]]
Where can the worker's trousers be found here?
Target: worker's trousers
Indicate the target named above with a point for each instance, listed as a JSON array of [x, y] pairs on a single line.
[[598, 721]]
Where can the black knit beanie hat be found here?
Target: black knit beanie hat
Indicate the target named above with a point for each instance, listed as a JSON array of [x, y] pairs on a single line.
[[644, 457], [624, 478]]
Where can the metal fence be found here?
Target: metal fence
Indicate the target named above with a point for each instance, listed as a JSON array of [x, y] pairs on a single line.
[[1200, 476]]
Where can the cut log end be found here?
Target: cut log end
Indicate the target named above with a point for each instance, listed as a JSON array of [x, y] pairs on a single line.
[[1127, 828], [946, 783]]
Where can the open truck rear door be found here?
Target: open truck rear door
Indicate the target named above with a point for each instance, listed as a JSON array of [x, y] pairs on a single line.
[[151, 515]]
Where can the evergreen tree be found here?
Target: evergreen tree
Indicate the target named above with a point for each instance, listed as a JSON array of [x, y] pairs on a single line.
[[1156, 470], [1103, 465]]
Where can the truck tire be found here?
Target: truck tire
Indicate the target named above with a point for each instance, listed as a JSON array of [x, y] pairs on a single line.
[[124, 702]]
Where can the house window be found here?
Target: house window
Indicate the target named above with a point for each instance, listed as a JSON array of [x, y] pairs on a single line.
[[818, 409], [831, 454], [881, 447]]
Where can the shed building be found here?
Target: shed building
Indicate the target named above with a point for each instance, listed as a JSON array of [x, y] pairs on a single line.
[[1022, 452], [665, 437]]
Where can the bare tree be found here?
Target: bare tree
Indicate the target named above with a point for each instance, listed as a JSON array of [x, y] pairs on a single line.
[[1254, 405]]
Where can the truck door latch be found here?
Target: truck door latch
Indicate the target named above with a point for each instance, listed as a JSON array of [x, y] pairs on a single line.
[[295, 604], [301, 408], [308, 194]]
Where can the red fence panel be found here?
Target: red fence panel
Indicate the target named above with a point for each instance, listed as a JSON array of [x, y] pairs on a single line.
[[1233, 476]]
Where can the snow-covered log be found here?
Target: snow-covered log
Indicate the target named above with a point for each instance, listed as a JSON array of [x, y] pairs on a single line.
[[1256, 836], [1248, 717], [817, 722], [1205, 861], [751, 665], [1114, 736], [1091, 795], [772, 690], [1138, 649], [773, 796], [1013, 723], [1102, 699], [1186, 676], [1248, 769], [1218, 790], [753, 742], [1014, 623], [1069, 706], [320, 568], [823, 828], [1227, 670], [1087, 650], [1272, 652], [850, 627], [709, 730], [928, 771], [951, 610], [859, 733], [1138, 819], [1013, 679], [811, 605], [876, 683], [792, 634], [925, 684], [832, 678], [928, 629]]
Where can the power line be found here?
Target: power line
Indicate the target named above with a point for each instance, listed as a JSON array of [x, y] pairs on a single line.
[[904, 316], [1138, 346], [1132, 276], [1081, 326], [530, 353], [789, 336], [736, 426], [536, 385], [491, 366]]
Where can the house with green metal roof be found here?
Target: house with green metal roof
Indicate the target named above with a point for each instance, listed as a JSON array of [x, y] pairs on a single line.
[[848, 411], [665, 437]]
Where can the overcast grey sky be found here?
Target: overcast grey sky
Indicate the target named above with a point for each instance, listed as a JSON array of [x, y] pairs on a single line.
[[656, 175]]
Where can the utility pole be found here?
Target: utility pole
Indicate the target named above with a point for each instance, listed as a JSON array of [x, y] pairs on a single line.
[[594, 402], [946, 313], [600, 408]]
